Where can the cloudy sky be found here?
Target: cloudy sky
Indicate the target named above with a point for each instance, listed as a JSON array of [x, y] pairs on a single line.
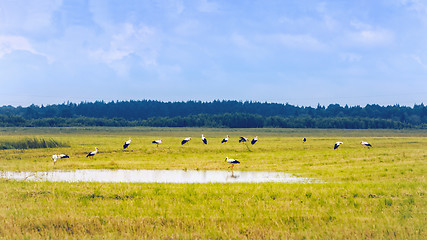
[[302, 52]]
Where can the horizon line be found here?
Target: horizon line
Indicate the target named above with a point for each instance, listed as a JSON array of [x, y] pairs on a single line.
[[202, 101]]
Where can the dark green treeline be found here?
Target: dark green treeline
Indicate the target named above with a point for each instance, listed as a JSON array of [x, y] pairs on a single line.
[[233, 114]]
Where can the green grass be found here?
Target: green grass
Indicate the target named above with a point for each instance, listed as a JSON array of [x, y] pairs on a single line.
[[376, 193]]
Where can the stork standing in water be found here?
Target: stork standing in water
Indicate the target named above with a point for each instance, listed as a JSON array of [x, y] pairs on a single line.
[[60, 156], [157, 142], [185, 140], [337, 144], [366, 144], [91, 154], [232, 162], [225, 140], [126, 145], [254, 140]]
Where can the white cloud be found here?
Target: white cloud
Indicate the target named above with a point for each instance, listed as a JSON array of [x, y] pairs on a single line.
[[241, 41], [296, 41], [328, 21], [372, 37], [419, 61], [358, 25], [141, 41], [189, 27], [109, 55], [362, 34], [29, 16], [416, 8], [172, 6], [419, 6], [9, 44]]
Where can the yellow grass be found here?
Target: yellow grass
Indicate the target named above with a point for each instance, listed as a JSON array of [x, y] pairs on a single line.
[[376, 193]]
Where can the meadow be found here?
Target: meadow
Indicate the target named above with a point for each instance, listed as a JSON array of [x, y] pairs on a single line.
[[376, 193]]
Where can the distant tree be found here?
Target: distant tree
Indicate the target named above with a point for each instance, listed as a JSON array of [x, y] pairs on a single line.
[[218, 113]]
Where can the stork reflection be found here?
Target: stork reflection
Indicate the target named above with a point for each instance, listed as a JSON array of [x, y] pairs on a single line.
[[234, 176]]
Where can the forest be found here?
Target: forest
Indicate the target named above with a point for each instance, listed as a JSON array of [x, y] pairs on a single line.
[[225, 113]]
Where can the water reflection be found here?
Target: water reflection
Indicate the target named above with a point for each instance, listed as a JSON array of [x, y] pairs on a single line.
[[155, 176]]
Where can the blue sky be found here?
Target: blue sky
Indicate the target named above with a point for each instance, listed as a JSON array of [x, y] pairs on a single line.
[[301, 52]]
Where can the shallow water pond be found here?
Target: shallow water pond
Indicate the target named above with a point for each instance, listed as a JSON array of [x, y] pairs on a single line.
[[155, 176]]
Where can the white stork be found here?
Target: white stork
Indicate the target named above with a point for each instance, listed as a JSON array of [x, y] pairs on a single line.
[[337, 144], [205, 141], [91, 154], [60, 156], [157, 142], [304, 140], [366, 144], [225, 140], [126, 144], [185, 140], [243, 139], [54, 158], [254, 140], [231, 161]]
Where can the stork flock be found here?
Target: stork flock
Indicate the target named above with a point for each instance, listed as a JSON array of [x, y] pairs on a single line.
[[231, 161]]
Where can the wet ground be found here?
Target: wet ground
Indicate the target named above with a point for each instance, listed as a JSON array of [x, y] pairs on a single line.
[[155, 176]]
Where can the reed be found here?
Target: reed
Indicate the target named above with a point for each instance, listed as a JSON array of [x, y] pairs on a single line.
[[29, 143]]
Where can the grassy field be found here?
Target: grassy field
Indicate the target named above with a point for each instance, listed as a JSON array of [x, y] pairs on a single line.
[[374, 193]]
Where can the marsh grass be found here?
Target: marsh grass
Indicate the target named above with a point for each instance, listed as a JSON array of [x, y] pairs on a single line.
[[29, 143], [376, 193], [248, 211]]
